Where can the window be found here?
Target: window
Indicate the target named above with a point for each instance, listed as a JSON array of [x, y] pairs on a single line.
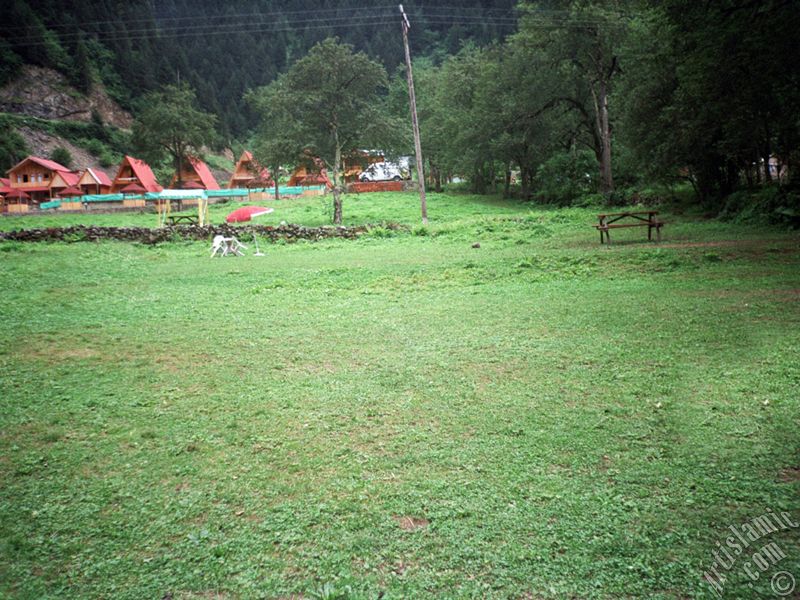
[[24, 179], [19, 178], [39, 178], [47, 175]]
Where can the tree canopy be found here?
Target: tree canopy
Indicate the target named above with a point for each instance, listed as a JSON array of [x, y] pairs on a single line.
[[222, 49], [328, 105], [655, 91], [170, 125], [564, 96]]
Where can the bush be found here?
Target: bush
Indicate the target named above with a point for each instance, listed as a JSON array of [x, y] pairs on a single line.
[[566, 177], [12, 146], [10, 63], [769, 204], [103, 153], [62, 155], [421, 231]]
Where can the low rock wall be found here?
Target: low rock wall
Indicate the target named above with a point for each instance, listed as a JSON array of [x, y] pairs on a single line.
[[144, 235]]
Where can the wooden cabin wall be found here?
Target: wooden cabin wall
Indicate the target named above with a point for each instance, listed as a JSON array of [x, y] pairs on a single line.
[[37, 175]]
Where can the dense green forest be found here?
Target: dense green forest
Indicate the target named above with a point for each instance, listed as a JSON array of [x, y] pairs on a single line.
[[555, 100], [222, 48]]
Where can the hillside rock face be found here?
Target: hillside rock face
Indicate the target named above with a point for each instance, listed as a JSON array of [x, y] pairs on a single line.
[[44, 93], [41, 143]]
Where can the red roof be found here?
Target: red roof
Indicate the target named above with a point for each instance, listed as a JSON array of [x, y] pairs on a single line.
[[5, 182], [206, 178], [70, 177], [71, 191], [133, 188], [47, 164], [142, 172], [99, 176]]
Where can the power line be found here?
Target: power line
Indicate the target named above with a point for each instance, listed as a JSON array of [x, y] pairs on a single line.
[[229, 29], [387, 9], [246, 25]]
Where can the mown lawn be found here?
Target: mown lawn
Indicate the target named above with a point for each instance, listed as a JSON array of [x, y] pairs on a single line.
[[402, 416]]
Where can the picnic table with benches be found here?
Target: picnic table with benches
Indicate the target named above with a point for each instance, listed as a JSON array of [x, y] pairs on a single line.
[[178, 219], [642, 218]]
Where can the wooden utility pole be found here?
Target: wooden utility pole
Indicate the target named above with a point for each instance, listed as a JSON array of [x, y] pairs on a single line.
[[413, 100]]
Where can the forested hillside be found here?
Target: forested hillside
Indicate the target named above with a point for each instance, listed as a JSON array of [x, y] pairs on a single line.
[[222, 48]]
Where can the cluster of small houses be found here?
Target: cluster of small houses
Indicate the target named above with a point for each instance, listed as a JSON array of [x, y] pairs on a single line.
[[42, 183]]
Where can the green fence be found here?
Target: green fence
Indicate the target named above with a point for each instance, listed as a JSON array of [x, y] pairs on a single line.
[[234, 193]]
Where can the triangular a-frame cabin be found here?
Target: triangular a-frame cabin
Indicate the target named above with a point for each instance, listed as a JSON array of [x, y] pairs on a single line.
[[194, 169], [94, 181], [247, 174], [133, 170], [306, 176]]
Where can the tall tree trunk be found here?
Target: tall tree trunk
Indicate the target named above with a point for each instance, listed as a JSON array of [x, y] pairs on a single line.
[[180, 171], [507, 186], [337, 205], [748, 174], [436, 177], [600, 97], [275, 180], [756, 162], [767, 150], [524, 176], [479, 183], [337, 197]]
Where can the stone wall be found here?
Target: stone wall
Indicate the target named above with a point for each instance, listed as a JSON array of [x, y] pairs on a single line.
[[144, 235]]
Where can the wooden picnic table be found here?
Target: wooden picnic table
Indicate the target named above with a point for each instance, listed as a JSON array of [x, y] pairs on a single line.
[[178, 219], [642, 218]]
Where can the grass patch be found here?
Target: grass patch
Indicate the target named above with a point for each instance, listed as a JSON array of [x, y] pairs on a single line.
[[402, 414]]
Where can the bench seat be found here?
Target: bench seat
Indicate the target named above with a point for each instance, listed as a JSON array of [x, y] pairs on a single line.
[[642, 224]]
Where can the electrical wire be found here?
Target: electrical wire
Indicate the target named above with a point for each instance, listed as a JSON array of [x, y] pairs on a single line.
[[428, 16]]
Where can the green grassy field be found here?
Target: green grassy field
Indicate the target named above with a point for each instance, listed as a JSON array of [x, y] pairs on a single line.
[[401, 416], [309, 211]]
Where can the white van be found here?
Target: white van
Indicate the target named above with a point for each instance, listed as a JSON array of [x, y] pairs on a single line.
[[383, 171]]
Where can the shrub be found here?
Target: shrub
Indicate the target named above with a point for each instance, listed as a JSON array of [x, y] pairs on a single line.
[[12, 146], [62, 155], [421, 231], [565, 177], [767, 204]]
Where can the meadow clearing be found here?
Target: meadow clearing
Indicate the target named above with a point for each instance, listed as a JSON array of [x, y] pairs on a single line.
[[401, 416]]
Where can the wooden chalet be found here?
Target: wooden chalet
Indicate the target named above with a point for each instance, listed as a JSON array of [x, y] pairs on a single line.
[[133, 170], [94, 181], [34, 175], [195, 170], [247, 174], [306, 175], [62, 180]]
